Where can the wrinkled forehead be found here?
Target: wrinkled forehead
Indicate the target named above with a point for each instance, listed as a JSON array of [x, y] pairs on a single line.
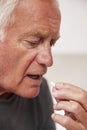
[[46, 7]]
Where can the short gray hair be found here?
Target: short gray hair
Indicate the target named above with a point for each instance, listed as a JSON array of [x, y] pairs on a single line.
[[6, 10]]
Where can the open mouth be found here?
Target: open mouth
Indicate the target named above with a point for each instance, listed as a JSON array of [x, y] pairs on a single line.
[[35, 77]]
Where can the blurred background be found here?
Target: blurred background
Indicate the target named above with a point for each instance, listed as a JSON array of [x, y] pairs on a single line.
[[70, 51]]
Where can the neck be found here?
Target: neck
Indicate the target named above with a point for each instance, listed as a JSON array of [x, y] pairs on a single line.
[[4, 94]]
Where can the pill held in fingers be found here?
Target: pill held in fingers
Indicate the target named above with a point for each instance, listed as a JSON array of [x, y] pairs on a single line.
[[61, 112], [52, 84]]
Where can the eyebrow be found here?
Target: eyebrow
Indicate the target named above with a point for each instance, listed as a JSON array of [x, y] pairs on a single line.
[[38, 34]]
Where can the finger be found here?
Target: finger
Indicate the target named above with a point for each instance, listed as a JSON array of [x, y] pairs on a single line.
[[68, 93], [60, 85], [55, 100], [54, 89], [74, 110], [70, 115], [67, 122]]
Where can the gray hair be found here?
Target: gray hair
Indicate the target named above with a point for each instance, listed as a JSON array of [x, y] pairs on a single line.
[[6, 9]]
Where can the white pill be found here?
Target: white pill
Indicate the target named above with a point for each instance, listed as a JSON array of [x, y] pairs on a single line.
[[52, 83]]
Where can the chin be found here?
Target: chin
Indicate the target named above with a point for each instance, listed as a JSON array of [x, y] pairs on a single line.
[[29, 94]]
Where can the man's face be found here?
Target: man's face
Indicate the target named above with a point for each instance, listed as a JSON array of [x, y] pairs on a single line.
[[25, 53]]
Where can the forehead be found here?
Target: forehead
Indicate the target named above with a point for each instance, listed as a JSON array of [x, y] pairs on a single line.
[[37, 4], [38, 7], [41, 14]]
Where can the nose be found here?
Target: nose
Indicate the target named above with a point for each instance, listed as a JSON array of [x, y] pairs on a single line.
[[45, 57]]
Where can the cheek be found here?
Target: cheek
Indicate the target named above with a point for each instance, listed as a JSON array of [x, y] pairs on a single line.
[[13, 66], [5, 61]]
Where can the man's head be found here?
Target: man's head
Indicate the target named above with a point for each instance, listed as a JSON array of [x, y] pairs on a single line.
[[30, 29]]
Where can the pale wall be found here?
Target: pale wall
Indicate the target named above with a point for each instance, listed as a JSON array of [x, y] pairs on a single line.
[[73, 27]]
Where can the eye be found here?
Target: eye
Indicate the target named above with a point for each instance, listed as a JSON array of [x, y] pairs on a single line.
[[52, 42], [30, 43]]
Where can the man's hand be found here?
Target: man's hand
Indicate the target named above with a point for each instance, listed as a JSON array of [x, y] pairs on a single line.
[[73, 100]]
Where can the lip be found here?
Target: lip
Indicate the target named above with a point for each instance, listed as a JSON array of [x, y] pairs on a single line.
[[38, 75], [35, 77], [38, 72], [35, 81]]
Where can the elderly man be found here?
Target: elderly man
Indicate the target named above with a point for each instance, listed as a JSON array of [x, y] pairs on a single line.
[[28, 29]]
